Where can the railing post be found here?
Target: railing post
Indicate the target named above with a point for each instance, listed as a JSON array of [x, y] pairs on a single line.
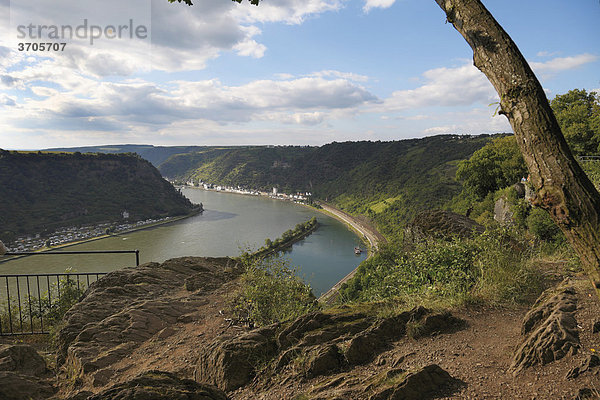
[[137, 258]]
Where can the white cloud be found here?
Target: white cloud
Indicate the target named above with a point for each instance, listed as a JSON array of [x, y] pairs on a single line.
[[473, 121], [449, 87], [289, 11], [369, 4], [561, 64], [89, 105], [344, 75]]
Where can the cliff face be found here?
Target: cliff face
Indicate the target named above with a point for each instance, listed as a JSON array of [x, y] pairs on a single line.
[[44, 191]]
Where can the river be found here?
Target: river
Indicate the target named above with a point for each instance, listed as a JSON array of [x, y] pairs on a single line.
[[229, 224]]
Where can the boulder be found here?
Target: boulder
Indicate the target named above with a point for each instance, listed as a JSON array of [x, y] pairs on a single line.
[[126, 308], [157, 385], [440, 223], [15, 386], [502, 212], [428, 382], [324, 360], [22, 359], [231, 362], [549, 329]]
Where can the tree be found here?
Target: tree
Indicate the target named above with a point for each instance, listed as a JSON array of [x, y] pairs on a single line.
[[578, 114], [496, 165], [563, 189]]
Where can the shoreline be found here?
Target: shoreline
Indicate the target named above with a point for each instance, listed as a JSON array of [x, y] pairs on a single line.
[[371, 235], [95, 238], [368, 234], [289, 243]]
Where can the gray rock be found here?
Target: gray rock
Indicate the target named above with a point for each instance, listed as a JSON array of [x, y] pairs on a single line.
[[429, 382], [323, 361], [502, 212], [128, 307], [231, 362], [15, 386], [22, 359], [157, 385], [550, 330]]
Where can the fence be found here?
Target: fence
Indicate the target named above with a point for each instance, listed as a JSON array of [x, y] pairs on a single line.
[[589, 158], [29, 303]]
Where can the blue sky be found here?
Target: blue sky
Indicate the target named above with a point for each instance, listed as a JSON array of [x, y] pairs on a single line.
[[286, 72]]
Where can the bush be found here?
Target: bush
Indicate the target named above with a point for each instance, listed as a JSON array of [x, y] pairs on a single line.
[[492, 267], [542, 227], [270, 291]]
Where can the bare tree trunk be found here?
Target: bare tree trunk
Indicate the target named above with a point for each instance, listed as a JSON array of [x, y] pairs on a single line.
[[563, 189]]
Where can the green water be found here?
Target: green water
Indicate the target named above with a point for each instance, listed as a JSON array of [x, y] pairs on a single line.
[[229, 223]]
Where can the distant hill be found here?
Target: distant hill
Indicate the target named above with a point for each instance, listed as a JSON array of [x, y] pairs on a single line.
[[155, 154], [44, 191], [386, 181]]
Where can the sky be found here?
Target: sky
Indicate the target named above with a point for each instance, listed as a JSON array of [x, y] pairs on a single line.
[[289, 72]]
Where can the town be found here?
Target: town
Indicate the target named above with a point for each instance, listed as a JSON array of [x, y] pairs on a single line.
[[78, 234], [299, 197]]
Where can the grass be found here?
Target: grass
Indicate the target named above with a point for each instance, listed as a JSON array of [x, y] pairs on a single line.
[[499, 267]]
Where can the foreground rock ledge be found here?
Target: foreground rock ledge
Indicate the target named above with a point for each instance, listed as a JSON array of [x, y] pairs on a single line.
[[122, 317]]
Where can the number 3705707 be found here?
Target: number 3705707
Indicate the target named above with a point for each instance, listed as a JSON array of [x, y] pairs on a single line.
[[28, 46]]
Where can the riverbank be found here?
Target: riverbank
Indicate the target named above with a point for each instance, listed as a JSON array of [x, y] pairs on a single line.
[[309, 227], [372, 236], [154, 224]]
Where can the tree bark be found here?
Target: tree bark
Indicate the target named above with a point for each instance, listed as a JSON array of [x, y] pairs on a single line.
[[563, 189]]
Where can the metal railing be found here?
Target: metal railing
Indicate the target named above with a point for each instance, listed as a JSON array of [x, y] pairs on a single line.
[[28, 303], [62, 253], [589, 158]]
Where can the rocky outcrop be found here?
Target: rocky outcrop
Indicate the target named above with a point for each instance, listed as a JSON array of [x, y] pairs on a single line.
[[21, 359], [440, 223], [315, 344], [590, 363], [22, 372], [157, 385], [550, 330], [230, 362], [428, 382], [502, 211], [128, 307]]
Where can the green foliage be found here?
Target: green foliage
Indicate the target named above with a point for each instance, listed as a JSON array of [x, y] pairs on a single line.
[[578, 114], [592, 169], [49, 308], [492, 267], [271, 291], [386, 181], [60, 298], [42, 192], [542, 227], [288, 237], [495, 166]]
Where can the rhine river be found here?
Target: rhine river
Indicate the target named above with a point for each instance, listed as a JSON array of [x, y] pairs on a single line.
[[229, 224]]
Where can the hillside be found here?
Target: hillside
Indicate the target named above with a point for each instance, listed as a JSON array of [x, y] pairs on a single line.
[[386, 181], [43, 191], [155, 154]]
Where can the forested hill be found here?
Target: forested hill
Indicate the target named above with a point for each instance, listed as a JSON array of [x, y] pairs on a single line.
[[43, 191], [387, 181], [155, 154]]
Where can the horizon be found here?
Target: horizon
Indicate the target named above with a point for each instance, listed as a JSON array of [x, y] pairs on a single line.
[[253, 145], [221, 73]]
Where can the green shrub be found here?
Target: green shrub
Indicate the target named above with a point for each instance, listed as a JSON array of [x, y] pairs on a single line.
[[270, 291], [542, 227], [493, 267]]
